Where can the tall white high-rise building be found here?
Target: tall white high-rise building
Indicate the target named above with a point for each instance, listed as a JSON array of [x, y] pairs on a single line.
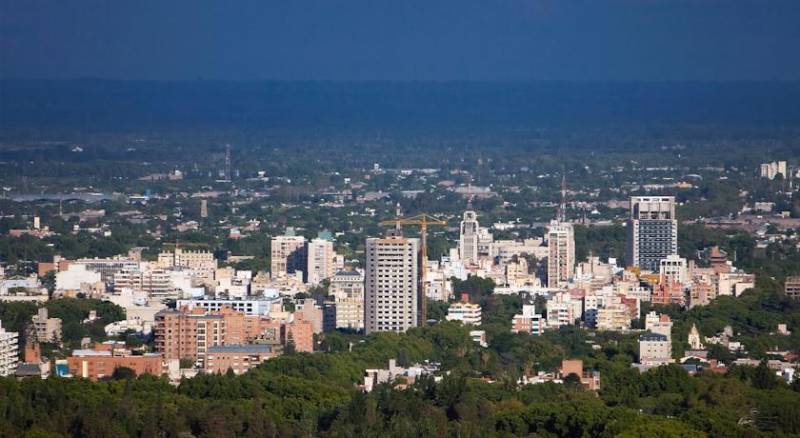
[[561, 253], [9, 351], [652, 231], [287, 255], [468, 240], [391, 284], [320, 260]]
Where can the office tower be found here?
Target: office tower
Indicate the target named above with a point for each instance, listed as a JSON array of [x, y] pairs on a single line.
[[468, 241], [287, 255], [320, 261], [203, 208], [652, 231], [561, 253], [391, 284], [8, 351]]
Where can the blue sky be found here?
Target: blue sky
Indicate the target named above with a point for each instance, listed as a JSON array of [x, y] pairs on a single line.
[[582, 40]]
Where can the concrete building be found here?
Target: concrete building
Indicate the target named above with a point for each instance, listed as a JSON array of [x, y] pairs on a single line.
[[673, 269], [347, 290], [287, 255], [238, 358], [773, 169], [250, 307], [529, 321], [654, 349], [468, 238], [652, 231], [9, 351], [79, 277], [660, 324], [188, 334], [47, 329], [320, 264], [156, 283], [613, 316], [391, 284], [561, 254], [101, 361], [309, 310], [792, 287], [201, 264], [467, 313]]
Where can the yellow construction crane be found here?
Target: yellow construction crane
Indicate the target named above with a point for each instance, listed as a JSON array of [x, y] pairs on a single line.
[[423, 220]]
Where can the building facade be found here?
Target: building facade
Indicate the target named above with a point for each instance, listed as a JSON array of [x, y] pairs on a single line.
[[391, 284], [468, 238], [652, 231], [320, 261], [287, 255], [347, 290], [561, 254], [9, 351]]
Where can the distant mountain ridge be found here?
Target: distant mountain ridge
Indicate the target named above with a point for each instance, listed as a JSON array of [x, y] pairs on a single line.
[[107, 105]]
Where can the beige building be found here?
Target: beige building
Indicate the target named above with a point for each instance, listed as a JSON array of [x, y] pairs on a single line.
[[320, 264], [47, 329], [347, 290], [561, 254], [287, 255], [654, 349], [202, 264]]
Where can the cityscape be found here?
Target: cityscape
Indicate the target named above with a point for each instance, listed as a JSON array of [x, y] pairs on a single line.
[[292, 247]]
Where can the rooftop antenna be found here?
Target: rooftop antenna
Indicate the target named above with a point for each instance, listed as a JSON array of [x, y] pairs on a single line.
[[398, 213], [228, 161], [562, 207]]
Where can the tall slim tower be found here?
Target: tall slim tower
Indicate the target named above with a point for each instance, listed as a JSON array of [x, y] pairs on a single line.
[[203, 208], [561, 253], [468, 239], [391, 285], [562, 206], [652, 231]]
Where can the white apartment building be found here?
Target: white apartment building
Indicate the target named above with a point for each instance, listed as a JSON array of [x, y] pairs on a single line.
[[320, 265], [660, 324], [155, 282], [391, 284], [467, 313], [77, 277], [672, 269], [287, 255], [561, 310], [9, 351], [561, 254]]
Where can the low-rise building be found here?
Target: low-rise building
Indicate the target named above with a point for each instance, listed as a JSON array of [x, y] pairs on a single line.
[[102, 360], [238, 358], [467, 313], [654, 349]]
